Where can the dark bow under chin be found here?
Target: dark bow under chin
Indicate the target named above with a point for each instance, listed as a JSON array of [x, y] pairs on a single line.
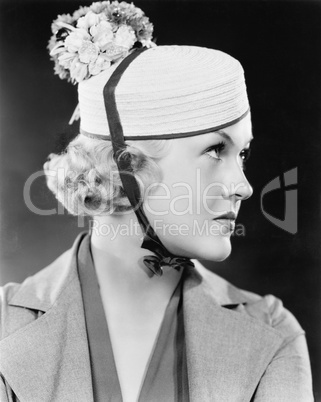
[[156, 264]]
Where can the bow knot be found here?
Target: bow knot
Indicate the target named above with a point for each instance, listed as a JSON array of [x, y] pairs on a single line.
[[156, 264]]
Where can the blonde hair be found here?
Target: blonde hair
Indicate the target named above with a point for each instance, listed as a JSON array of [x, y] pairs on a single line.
[[85, 178]]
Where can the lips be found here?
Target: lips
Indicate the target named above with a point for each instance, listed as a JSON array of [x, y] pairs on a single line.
[[229, 215], [227, 220]]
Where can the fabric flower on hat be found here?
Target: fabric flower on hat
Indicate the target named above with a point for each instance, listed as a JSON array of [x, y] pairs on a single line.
[[80, 12], [88, 52], [102, 34], [65, 18], [93, 38], [100, 64], [125, 36], [75, 40], [114, 52], [66, 59], [88, 20], [78, 70]]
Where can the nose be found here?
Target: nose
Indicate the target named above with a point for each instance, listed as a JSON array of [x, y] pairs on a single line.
[[239, 187], [243, 190]]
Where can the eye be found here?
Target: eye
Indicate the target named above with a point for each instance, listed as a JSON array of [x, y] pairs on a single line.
[[245, 154], [214, 150]]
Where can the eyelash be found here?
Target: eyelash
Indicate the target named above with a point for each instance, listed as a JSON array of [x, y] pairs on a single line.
[[218, 148]]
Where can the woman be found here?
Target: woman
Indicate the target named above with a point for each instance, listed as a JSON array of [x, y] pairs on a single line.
[[159, 167]]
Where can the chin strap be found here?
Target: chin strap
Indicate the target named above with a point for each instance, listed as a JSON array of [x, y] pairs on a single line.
[[162, 257]]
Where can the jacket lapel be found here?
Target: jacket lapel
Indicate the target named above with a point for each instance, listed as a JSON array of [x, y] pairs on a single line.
[[227, 349], [48, 359]]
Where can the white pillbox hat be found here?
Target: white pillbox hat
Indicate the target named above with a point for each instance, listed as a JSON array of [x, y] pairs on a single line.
[[168, 92]]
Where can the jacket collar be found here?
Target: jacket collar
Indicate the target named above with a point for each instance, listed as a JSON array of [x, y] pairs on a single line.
[[227, 349]]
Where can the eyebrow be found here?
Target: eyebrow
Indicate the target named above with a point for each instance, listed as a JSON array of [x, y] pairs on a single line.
[[224, 134]]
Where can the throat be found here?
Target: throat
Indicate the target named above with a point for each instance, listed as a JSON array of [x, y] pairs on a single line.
[[123, 276]]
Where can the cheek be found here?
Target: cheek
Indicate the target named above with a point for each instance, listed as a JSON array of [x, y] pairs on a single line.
[[175, 192], [210, 190], [186, 190]]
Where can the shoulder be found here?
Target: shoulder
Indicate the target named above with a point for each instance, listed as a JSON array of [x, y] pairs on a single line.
[[266, 309], [22, 303], [45, 284]]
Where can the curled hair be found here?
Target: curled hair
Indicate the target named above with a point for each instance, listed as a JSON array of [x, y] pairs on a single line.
[[85, 178]]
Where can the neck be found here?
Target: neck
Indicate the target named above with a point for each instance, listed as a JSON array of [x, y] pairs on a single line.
[[117, 254]]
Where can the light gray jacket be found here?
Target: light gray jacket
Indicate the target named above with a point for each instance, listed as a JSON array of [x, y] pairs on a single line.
[[250, 350]]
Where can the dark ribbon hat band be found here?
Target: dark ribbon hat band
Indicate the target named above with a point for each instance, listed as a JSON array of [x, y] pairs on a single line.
[[168, 136], [151, 241]]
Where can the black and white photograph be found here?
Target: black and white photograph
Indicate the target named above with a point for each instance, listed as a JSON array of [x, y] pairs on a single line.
[[160, 201]]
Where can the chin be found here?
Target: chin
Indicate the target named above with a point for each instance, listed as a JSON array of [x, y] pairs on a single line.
[[217, 250]]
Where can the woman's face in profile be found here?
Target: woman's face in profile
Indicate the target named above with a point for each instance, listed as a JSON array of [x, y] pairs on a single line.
[[203, 180]]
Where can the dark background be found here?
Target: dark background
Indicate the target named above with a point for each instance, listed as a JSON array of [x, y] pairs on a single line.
[[279, 46]]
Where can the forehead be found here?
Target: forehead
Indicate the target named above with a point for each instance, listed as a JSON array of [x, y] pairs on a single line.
[[238, 133]]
